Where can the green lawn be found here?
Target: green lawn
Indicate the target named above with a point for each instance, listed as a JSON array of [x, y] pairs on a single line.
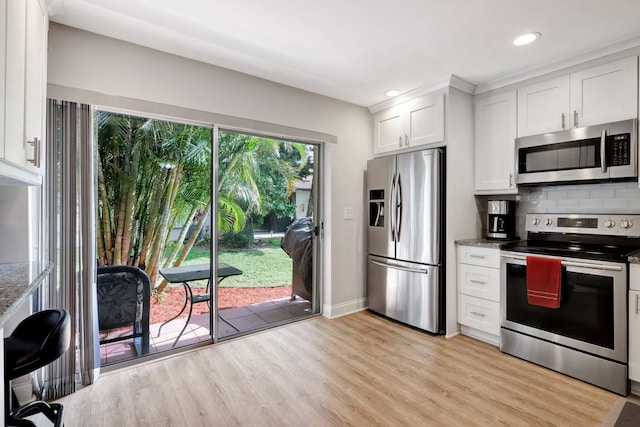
[[262, 267]]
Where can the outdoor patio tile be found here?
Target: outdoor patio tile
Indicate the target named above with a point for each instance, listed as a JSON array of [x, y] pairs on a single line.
[[298, 309], [264, 306], [273, 316], [247, 323], [233, 313]]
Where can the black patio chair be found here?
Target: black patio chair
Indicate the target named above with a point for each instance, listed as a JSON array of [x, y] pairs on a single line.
[[124, 298]]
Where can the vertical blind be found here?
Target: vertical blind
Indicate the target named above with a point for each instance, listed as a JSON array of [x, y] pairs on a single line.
[[68, 212]]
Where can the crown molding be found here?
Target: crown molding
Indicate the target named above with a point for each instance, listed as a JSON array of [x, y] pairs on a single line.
[[451, 81], [605, 54]]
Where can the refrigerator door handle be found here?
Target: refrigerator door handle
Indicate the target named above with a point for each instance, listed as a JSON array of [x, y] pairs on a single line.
[[398, 207], [392, 203], [397, 267]]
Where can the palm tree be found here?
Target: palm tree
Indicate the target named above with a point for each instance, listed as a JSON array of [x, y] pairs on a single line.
[[155, 175]]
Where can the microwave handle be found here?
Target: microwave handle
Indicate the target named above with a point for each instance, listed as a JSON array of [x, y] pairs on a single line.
[[603, 151]]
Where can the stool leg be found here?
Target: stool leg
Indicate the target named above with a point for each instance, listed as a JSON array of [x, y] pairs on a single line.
[[52, 411]]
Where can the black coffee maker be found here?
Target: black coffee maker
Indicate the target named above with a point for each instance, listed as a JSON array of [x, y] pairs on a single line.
[[501, 219]]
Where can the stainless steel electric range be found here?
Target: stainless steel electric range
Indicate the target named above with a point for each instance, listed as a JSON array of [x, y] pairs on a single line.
[[586, 336]]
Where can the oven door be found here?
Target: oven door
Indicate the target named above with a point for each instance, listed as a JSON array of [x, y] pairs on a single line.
[[592, 312]]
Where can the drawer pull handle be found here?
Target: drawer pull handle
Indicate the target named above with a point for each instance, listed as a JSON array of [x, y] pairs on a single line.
[[477, 256], [36, 152], [475, 313], [477, 282]]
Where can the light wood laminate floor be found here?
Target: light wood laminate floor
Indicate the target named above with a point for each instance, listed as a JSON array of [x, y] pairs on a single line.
[[357, 370]]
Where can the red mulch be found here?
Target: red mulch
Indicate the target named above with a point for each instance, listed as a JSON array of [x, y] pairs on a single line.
[[173, 299]]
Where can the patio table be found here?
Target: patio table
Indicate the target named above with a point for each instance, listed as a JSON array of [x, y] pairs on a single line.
[[188, 273]]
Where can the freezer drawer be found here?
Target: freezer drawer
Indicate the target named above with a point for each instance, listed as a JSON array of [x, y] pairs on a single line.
[[407, 292]]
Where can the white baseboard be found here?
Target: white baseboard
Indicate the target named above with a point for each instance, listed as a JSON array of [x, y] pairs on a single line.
[[480, 335], [342, 309], [635, 388], [452, 335]]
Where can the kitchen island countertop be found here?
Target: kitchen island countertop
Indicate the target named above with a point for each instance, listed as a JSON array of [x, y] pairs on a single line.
[[484, 242], [17, 282]]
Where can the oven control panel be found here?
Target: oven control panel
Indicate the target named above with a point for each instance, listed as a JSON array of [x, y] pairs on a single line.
[[618, 224]]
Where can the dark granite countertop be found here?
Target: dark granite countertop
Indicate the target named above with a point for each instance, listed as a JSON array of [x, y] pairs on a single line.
[[17, 282], [483, 242], [634, 258]]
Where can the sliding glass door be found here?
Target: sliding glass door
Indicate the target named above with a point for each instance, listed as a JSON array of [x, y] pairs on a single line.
[[224, 235], [267, 231]]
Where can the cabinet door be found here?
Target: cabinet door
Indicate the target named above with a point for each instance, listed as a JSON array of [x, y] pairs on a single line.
[[388, 130], [634, 335], [14, 142], [3, 34], [424, 120], [35, 83], [495, 145], [544, 107], [606, 93]]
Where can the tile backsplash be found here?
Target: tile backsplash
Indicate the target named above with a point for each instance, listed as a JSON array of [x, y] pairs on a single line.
[[618, 197]]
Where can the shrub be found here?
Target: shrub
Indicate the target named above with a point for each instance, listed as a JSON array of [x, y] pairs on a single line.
[[242, 239]]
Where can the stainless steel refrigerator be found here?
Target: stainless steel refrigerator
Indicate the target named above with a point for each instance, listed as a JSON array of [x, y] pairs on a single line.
[[405, 249]]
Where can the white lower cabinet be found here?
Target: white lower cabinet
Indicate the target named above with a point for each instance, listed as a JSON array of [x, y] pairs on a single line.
[[634, 322], [480, 314], [479, 292]]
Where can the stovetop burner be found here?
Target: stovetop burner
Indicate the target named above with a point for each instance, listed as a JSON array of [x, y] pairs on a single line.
[[603, 252]]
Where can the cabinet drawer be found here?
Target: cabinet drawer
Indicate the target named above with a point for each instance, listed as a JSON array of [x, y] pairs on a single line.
[[484, 257], [481, 282], [479, 313]]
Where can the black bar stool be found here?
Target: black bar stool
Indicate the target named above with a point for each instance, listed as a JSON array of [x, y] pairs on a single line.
[[37, 341]]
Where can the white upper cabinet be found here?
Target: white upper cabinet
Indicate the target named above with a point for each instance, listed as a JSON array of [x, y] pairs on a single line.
[[35, 84], [411, 124], [544, 107], [601, 94], [24, 83], [14, 149], [495, 144], [606, 93]]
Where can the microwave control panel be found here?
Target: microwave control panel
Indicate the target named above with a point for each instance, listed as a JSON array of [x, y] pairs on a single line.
[[619, 150]]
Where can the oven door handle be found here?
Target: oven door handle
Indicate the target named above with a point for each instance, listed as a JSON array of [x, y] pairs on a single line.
[[574, 264]]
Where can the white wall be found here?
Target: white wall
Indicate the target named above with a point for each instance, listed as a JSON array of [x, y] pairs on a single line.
[[14, 229], [91, 65]]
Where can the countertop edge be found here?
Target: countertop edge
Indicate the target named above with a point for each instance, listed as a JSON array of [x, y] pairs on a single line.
[[16, 285], [483, 242], [634, 258]]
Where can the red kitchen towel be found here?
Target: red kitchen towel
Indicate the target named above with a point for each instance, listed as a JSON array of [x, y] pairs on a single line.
[[544, 276]]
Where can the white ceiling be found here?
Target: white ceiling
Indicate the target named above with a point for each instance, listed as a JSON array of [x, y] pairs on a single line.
[[355, 50]]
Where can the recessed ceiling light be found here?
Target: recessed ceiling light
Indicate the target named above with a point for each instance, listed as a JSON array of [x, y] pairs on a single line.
[[392, 93], [526, 39]]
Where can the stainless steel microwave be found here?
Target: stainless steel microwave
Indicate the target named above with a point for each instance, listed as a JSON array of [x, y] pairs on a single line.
[[592, 153]]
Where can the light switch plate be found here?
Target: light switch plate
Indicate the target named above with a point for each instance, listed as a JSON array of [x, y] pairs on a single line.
[[348, 213]]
